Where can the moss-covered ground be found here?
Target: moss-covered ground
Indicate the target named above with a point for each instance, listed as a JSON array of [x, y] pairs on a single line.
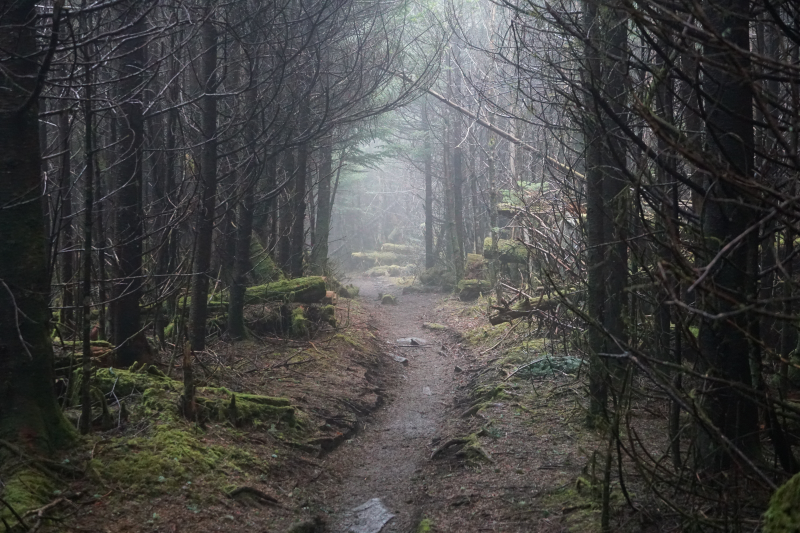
[[268, 409]]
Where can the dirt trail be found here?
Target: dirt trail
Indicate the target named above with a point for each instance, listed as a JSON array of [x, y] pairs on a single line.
[[382, 459]]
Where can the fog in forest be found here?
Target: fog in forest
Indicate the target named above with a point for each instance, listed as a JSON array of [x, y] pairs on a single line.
[[395, 265]]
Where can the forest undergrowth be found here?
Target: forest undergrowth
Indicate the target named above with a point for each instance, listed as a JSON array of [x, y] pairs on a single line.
[[513, 452]]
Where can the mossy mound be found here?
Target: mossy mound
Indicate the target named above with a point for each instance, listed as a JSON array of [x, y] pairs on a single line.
[[300, 290], [300, 325], [158, 462], [471, 289], [24, 490], [127, 382], [783, 513], [388, 299], [508, 251], [348, 291], [476, 267], [438, 277], [399, 249]]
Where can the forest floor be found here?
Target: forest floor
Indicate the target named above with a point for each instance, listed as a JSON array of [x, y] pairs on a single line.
[[458, 438]]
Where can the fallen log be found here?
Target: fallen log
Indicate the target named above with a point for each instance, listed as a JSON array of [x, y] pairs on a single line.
[[307, 290]]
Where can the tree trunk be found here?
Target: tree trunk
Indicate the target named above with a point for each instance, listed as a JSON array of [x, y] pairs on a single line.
[[459, 254], [606, 199], [724, 343], [67, 236], [128, 213], [244, 231], [298, 235], [29, 413], [430, 258], [198, 311], [319, 254], [284, 238], [86, 259]]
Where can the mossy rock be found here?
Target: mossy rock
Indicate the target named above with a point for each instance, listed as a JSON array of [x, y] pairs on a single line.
[[783, 513], [508, 251], [24, 490], [471, 289], [300, 290], [399, 249], [434, 326], [388, 299], [246, 409]]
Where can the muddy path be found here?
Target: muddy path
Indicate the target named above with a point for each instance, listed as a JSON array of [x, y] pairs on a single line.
[[395, 441]]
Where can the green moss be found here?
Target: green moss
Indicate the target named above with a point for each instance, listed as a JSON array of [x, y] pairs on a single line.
[[508, 251], [300, 325], [400, 249], [159, 462], [348, 291], [264, 268], [246, 409], [348, 339], [329, 314], [388, 299], [434, 326], [377, 258], [127, 382], [425, 526], [300, 290], [471, 289], [438, 276], [24, 490], [783, 513], [487, 335]]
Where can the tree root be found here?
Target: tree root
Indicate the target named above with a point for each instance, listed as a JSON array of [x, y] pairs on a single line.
[[46, 466], [254, 493], [471, 448]]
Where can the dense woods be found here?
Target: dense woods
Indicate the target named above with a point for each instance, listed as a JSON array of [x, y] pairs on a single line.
[[622, 175]]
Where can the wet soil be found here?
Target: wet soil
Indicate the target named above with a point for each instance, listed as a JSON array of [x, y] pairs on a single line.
[[381, 461]]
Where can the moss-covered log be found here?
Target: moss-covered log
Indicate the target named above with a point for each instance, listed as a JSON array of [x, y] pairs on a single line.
[[399, 249], [300, 290], [377, 258], [471, 289], [508, 251], [246, 409]]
